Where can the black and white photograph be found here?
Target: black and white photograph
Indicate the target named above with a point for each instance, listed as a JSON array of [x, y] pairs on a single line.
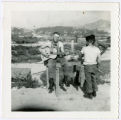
[[60, 54], [61, 59]]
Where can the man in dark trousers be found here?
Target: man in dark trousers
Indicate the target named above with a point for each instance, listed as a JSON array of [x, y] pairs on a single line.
[[91, 55], [57, 48]]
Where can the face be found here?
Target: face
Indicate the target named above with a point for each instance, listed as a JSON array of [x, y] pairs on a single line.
[[56, 37]]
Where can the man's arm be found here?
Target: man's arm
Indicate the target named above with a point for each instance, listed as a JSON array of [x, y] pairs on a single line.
[[98, 59]]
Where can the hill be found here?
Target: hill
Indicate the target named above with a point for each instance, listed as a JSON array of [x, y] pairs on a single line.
[[60, 29], [101, 25]]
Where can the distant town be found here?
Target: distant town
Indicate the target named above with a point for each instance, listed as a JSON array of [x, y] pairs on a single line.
[[35, 35]]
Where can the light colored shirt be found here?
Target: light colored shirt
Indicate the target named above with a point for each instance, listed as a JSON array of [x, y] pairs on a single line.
[[56, 46], [61, 46], [91, 53]]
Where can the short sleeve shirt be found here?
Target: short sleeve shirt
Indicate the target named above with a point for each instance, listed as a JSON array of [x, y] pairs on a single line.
[[90, 54], [56, 46]]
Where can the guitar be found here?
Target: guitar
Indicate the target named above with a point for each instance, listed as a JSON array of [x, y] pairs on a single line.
[[48, 53]]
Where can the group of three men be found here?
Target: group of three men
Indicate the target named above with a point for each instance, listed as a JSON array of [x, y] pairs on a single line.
[[91, 59]]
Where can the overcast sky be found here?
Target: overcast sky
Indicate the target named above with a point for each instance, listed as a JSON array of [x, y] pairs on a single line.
[[36, 19]]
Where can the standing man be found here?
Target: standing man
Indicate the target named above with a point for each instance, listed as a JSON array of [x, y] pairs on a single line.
[[57, 48], [91, 55]]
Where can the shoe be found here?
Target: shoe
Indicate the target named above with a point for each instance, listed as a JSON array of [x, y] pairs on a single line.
[[64, 89], [94, 93], [51, 90], [76, 87], [89, 96]]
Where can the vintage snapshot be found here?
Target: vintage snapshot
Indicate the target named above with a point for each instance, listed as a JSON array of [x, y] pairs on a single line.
[[61, 59]]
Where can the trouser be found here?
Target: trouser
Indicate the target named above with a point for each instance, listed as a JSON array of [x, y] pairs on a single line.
[[90, 84], [52, 71]]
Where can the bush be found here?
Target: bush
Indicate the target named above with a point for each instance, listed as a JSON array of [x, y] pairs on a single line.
[[67, 46], [33, 51], [22, 77], [25, 54], [105, 71], [22, 40], [78, 47], [43, 78], [32, 84]]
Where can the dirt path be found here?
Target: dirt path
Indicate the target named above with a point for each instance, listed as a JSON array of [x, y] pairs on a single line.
[[40, 100]]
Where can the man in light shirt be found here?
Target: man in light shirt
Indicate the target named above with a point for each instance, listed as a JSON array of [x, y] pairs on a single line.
[[91, 56], [56, 48]]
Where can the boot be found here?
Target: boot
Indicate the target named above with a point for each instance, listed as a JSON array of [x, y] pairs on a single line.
[[51, 85], [61, 84], [51, 90], [88, 95], [94, 94], [66, 81], [62, 87]]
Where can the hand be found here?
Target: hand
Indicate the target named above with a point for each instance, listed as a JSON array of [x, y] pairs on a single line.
[[47, 56], [51, 52]]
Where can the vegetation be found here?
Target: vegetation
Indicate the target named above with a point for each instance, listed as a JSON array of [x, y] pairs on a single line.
[[22, 77], [32, 54], [22, 40], [25, 54]]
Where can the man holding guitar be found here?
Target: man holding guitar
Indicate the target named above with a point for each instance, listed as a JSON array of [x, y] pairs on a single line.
[[55, 54]]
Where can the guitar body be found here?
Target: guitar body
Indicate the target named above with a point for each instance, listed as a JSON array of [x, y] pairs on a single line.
[[49, 53], [46, 53]]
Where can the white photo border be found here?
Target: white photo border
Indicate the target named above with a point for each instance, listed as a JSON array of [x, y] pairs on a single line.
[[9, 7]]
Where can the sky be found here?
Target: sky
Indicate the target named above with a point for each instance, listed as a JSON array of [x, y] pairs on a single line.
[[36, 19]]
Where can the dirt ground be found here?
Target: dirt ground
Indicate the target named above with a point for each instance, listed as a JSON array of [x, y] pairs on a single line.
[[28, 99], [38, 99]]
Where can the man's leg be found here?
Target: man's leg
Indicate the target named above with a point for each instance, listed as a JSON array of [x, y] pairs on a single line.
[[88, 83], [51, 85], [62, 74], [94, 84], [51, 71], [65, 74]]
